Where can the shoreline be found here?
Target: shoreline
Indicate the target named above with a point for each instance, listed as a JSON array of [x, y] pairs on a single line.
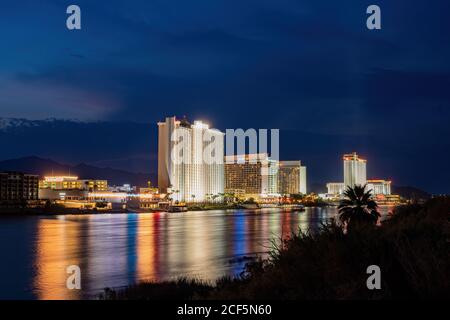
[[10, 212]]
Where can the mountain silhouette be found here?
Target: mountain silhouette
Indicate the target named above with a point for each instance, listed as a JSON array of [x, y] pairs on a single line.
[[46, 167]]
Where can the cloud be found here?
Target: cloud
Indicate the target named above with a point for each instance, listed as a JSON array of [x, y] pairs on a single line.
[[36, 99]]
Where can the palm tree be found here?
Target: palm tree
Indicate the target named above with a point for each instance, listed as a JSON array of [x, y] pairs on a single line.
[[169, 193], [358, 207], [297, 197]]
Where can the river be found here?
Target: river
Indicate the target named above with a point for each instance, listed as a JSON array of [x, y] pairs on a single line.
[[115, 250]]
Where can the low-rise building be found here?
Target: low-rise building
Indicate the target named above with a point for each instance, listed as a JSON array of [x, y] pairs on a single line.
[[62, 194], [376, 187], [17, 187], [150, 198], [73, 183], [379, 186], [123, 188], [335, 188], [388, 200], [72, 192]]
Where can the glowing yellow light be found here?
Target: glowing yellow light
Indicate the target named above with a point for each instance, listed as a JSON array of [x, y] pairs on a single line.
[[60, 178]]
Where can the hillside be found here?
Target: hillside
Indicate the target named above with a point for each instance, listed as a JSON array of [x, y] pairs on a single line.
[[43, 167], [411, 192]]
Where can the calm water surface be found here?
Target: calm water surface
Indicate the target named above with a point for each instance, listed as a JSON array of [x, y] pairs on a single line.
[[121, 249]]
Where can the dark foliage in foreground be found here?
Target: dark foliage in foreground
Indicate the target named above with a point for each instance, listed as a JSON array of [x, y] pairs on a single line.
[[181, 289], [411, 248]]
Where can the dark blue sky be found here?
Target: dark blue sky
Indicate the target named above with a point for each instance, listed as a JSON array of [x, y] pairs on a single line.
[[310, 68]]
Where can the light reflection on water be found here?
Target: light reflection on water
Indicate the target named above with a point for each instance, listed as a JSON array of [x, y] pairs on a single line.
[[118, 250]]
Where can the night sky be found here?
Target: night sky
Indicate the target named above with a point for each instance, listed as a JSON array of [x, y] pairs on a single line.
[[310, 68]]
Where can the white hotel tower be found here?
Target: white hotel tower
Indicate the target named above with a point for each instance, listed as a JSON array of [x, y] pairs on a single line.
[[354, 170], [186, 166]]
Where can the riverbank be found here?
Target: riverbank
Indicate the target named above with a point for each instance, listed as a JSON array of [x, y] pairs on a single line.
[[221, 206], [61, 210], [53, 211], [253, 206], [411, 249]]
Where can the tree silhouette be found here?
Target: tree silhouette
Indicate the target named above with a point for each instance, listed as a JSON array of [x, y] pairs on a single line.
[[358, 207]]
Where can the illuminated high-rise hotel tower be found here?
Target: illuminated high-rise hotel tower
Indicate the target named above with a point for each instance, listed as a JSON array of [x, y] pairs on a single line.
[[190, 160], [354, 170], [291, 177]]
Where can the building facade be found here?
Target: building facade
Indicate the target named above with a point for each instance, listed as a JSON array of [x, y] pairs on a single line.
[[379, 187], [149, 198], [256, 174], [73, 183], [190, 160], [354, 170], [303, 180], [17, 187], [291, 178], [63, 194], [336, 188]]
